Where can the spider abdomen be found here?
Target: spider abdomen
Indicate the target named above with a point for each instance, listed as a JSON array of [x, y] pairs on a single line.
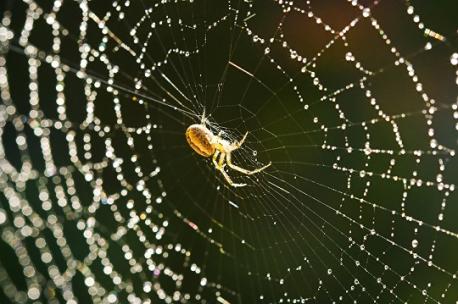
[[199, 138]]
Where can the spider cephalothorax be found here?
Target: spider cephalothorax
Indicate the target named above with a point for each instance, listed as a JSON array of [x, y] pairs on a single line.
[[207, 144]]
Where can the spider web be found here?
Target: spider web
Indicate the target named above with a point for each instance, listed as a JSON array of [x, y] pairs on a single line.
[[354, 103]]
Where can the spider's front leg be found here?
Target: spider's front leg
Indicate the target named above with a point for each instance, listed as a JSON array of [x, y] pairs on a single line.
[[238, 144], [242, 170], [220, 166]]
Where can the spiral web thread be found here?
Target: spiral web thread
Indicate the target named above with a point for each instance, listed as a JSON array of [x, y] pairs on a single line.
[[312, 228]]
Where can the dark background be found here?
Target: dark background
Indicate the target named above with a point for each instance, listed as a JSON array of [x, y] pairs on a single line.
[[300, 230]]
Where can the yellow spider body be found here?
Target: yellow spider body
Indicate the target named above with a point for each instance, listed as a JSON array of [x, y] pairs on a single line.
[[207, 144]]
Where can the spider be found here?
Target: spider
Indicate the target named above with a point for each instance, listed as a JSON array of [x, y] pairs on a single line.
[[207, 144]]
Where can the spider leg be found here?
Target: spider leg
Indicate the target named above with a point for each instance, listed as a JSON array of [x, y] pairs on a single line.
[[228, 178], [220, 166], [215, 156], [242, 170], [238, 144], [222, 158]]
